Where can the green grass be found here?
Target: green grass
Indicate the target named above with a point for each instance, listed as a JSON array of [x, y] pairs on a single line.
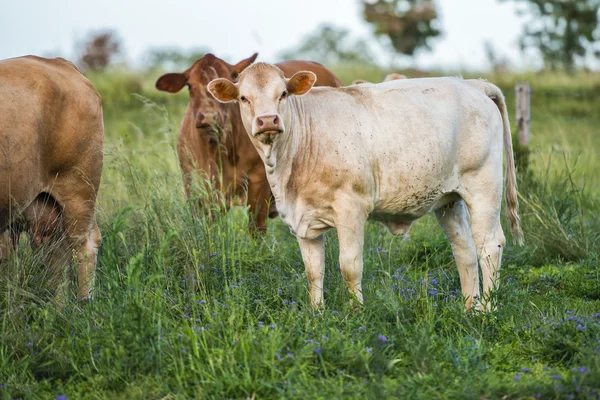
[[187, 308]]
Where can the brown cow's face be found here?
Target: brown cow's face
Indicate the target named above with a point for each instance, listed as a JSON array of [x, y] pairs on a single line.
[[210, 117], [263, 92]]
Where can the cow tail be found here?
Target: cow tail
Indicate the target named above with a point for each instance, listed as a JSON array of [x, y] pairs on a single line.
[[512, 202]]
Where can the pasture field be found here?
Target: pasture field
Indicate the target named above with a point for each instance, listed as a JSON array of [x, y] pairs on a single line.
[[190, 308]]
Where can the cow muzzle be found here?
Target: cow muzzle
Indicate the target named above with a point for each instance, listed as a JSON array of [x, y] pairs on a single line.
[[267, 127]]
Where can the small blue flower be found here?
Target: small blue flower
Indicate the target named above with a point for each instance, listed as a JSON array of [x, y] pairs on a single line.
[[382, 338], [29, 344], [213, 255], [557, 377], [369, 350], [201, 267], [434, 281], [61, 397], [526, 370], [289, 355], [517, 377], [324, 337], [362, 328], [272, 326], [318, 350]]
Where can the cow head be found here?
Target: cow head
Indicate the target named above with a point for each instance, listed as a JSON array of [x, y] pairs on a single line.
[[263, 93], [210, 116]]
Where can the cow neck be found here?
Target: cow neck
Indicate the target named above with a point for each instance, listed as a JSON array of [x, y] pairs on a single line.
[[280, 156], [235, 140]]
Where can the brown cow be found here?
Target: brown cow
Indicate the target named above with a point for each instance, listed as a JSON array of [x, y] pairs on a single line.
[[51, 142], [212, 140]]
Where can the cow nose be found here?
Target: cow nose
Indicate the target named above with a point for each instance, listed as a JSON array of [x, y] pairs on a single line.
[[268, 122], [205, 120]]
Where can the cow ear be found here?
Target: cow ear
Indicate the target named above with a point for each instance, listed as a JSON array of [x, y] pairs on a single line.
[[237, 69], [172, 82], [223, 90], [301, 82]]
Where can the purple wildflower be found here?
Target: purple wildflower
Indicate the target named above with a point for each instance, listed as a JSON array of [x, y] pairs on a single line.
[[362, 328], [289, 355], [434, 281], [324, 337], [29, 344], [318, 350], [179, 335], [369, 350], [61, 397], [556, 377], [517, 377], [272, 326], [278, 357], [526, 370], [382, 338], [213, 255], [201, 267], [310, 341], [580, 327], [184, 351]]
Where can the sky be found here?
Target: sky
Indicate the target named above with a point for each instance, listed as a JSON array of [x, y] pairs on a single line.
[[234, 29]]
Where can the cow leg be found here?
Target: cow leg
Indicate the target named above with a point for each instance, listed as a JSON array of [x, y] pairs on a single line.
[[259, 195], [83, 238], [6, 245], [454, 221], [313, 255], [484, 209], [352, 238]]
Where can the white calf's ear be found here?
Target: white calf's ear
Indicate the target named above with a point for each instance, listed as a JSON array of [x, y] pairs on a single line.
[[301, 82], [223, 90]]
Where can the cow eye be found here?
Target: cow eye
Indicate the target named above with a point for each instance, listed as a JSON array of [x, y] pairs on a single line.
[[283, 95], [244, 99]]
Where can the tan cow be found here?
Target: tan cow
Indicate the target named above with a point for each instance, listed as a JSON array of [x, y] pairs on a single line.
[[390, 152], [212, 141], [51, 152]]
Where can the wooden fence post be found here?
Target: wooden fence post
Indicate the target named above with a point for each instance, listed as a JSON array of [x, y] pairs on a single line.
[[523, 92]]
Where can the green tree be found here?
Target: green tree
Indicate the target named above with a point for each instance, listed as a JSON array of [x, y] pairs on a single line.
[[331, 46], [562, 30], [409, 24]]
